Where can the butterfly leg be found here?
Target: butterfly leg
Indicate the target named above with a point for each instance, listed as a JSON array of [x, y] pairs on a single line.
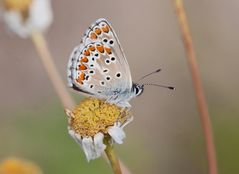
[[114, 99], [110, 100], [124, 104], [123, 111]]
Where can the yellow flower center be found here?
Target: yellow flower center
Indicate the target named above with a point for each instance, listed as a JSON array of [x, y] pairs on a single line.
[[17, 5], [16, 166], [93, 115]]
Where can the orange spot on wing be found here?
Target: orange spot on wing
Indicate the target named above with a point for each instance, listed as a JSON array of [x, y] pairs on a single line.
[[106, 29], [98, 31], [84, 59], [82, 67], [100, 48], [79, 80], [92, 48], [87, 52], [93, 36], [108, 50], [82, 76]]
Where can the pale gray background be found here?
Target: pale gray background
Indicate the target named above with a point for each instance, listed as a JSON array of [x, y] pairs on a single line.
[[166, 135]]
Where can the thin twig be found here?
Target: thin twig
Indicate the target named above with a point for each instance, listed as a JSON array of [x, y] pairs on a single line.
[[46, 58], [201, 102]]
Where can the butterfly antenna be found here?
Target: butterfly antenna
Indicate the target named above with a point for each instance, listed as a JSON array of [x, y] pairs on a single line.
[[163, 86], [156, 71]]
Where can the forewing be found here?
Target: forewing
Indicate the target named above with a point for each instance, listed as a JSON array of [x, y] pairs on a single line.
[[98, 66]]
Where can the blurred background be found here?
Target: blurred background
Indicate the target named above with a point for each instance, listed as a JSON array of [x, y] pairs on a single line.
[[165, 136]]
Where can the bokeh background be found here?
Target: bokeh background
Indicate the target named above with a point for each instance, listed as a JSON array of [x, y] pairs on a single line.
[[166, 136]]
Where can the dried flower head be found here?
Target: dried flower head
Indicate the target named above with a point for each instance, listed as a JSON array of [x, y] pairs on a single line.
[[17, 5], [25, 16], [92, 121], [18, 166]]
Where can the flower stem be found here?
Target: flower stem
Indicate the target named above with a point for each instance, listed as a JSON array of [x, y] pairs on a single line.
[[46, 58], [201, 102], [113, 158]]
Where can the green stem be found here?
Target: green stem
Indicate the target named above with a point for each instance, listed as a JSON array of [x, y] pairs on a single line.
[[113, 158]]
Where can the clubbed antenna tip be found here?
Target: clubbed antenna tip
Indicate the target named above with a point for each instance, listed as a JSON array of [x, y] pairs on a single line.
[[172, 88], [163, 86]]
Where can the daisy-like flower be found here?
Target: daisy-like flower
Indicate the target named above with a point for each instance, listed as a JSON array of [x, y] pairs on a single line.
[[18, 166], [95, 121], [25, 16]]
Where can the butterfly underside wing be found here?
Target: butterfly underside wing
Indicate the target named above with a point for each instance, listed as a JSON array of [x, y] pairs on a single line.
[[98, 65]]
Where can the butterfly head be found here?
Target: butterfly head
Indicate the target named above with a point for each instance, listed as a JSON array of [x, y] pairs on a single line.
[[138, 89]]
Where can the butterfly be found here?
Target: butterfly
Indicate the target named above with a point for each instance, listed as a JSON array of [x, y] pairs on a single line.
[[98, 67]]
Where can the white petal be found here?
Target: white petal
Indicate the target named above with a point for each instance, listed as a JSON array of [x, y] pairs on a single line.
[[117, 133], [39, 20], [14, 21], [99, 145], [75, 136], [68, 113], [88, 147], [127, 121], [72, 133]]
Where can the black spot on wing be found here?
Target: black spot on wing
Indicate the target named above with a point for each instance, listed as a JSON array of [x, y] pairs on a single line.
[[80, 90]]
